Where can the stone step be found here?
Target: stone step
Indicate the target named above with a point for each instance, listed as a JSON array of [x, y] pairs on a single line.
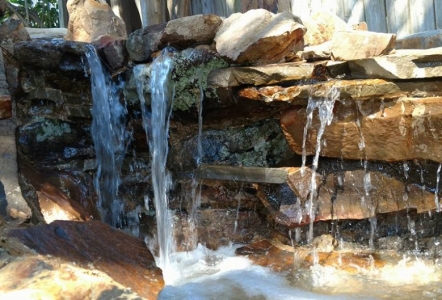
[[245, 174]]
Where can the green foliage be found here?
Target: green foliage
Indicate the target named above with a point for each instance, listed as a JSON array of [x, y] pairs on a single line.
[[35, 13]]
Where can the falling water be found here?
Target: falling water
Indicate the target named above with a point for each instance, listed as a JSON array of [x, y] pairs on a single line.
[[196, 187], [436, 192], [325, 114], [110, 139], [156, 125]]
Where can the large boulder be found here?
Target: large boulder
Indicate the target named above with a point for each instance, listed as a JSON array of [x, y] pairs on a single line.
[[181, 33], [258, 36], [351, 45], [88, 19]]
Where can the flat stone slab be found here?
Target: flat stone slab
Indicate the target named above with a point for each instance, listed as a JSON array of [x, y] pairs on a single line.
[[349, 89], [421, 40], [262, 75], [357, 44], [244, 174], [403, 64]]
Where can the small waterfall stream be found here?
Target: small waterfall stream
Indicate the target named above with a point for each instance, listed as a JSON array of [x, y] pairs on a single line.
[[325, 112], [110, 139], [156, 125]]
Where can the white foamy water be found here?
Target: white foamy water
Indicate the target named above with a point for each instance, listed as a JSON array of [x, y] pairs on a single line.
[[204, 274]]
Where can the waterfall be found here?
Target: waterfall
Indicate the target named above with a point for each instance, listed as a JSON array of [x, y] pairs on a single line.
[[196, 186], [156, 125], [325, 113], [110, 139]]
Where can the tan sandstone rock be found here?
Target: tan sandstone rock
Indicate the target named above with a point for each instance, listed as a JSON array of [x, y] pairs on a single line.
[[88, 19], [388, 131], [321, 26], [258, 36], [356, 44]]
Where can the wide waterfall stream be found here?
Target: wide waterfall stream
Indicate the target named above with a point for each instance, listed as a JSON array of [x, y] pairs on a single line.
[[206, 274]]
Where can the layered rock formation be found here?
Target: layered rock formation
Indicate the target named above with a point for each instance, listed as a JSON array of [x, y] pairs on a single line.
[[379, 153]]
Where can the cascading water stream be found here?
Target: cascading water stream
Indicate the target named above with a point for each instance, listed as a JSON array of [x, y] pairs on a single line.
[[110, 139], [196, 187], [156, 125], [325, 113]]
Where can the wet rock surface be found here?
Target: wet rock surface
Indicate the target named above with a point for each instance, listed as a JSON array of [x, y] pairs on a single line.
[[122, 257]]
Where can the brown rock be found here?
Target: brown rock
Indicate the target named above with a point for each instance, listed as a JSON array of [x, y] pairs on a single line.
[[390, 131], [317, 52], [181, 33], [113, 50], [5, 107], [356, 194], [421, 40], [124, 258], [269, 40], [321, 26], [88, 19], [351, 45]]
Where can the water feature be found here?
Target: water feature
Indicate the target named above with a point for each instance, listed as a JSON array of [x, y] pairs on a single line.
[[156, 126], [325, 113], [110, 139]]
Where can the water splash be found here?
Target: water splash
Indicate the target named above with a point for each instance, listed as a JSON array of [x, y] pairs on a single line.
[[110, 139], [156, 125], [325, 113]]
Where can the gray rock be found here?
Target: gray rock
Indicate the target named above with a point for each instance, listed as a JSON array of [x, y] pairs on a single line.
[[181, 33], [421, 40], [403, 64]]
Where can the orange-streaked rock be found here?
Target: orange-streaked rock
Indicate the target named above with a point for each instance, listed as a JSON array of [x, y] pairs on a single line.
[[388, 131], [124, 258]]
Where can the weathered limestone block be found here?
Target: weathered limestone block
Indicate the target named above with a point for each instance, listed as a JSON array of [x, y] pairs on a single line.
[[402, 64], [261, 75], [388, 131], [356, 44], [181, 33], [421, 40], [127, 261], [348, 89], [258, 36], [321, 26], [88, 19]]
